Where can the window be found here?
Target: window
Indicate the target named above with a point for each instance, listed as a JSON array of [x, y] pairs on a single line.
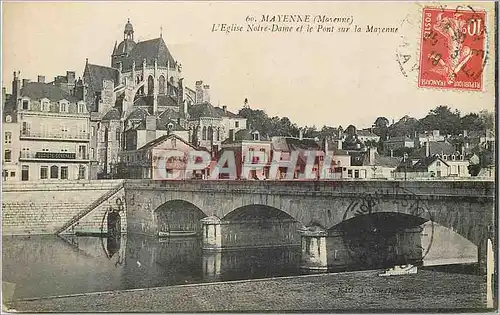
[[8, 118], [236, 124], [54, 171], [174, 143], [92, 153], [7, 156], [356, 174], [82, 152], [12, 174], [81, 172], [44, 172], [118, 135], [453, 157], [438, 164], [63, 107], [26, 104], [92, 130], [445, 157], [25, 170], [45, 106], [349, 173], [81, 108], [438, 173], [64, 172], [8, 137], [25, 129]]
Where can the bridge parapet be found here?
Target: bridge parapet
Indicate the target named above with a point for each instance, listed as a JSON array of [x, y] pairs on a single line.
[[424, 189]]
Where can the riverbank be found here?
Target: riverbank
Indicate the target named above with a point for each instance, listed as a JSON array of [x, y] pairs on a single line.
[[352, 291]]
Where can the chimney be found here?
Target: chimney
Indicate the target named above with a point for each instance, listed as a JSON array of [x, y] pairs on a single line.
[[465, 133], [224, 107], [25, 82], [427, 149], [231, 134], [392, 153], [371, 153], [16, 86], [178, 121], [41, 79], [325, 147], [70, 76], [206, 93], [150, 122], [301, 134], [339, 144], [199, 92]]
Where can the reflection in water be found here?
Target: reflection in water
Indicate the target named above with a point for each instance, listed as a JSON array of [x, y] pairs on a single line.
[[50, 265]]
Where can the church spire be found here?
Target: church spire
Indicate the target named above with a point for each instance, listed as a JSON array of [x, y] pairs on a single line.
[[161, 31]]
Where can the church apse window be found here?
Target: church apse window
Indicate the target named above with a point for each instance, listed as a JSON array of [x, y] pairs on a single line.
[[151, 85], [204, 133], [161, 85]]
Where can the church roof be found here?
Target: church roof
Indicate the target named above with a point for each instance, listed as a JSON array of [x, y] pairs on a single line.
[[112, 114], [96, 74], [150, 50], [124, 47], [37, 91], [162, 100], [138, 113]]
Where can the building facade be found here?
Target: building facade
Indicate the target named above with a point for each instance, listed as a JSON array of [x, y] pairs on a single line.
[[53, 132]]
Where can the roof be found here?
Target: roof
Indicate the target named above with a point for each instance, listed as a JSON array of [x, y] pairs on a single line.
[[422, 165], [203, 110], [288, 144], [138, 113], [365, 133], [99, 73], [226, 113], [112, 114], [150, 50], [37, 91], [382, 160], [159, 140], [124, 47], [399, 138], [435, 147]]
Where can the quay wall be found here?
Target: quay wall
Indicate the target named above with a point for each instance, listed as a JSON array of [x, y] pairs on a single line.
[[45, 208]]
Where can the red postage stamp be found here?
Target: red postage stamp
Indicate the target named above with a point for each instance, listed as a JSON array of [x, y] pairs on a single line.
[[452, 49]]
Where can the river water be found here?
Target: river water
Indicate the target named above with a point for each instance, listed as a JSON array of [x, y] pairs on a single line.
[[41, 266]]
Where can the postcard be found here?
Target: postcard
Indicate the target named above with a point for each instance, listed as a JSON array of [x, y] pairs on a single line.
[[249, 156]]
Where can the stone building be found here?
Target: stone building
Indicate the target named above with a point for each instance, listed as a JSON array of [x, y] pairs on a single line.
[[140, 97], [47, 132]]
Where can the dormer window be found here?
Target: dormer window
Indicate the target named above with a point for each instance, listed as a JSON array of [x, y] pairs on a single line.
[[26, 104], [170, 126], [8, 118], [63, 107], [81, 107], [45, 105]]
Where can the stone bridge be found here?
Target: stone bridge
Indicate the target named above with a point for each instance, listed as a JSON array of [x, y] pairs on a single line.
[[465, 207]]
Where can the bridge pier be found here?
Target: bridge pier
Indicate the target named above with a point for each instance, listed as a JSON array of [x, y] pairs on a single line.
[[211, 231], [314, 255], [487, 267]]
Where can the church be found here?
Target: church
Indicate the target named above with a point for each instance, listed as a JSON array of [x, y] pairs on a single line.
[[142, 96]]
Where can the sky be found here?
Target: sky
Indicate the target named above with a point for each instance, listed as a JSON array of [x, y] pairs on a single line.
[[313, 78]]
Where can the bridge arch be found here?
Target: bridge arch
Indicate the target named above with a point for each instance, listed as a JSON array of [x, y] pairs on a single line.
[[259, 225], [178, 217]]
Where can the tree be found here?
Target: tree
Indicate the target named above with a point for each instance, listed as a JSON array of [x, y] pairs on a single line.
[[381, 127], [472, 121], [488, 119], [443, 119], [406, 126]]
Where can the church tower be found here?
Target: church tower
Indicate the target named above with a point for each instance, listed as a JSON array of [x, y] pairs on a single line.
[[121, 51]]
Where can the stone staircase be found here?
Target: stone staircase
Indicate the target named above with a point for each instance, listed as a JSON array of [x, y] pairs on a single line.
[[89, 208]]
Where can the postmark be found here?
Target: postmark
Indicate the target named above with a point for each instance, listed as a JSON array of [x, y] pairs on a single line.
[[374, 209], [452, 49]]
